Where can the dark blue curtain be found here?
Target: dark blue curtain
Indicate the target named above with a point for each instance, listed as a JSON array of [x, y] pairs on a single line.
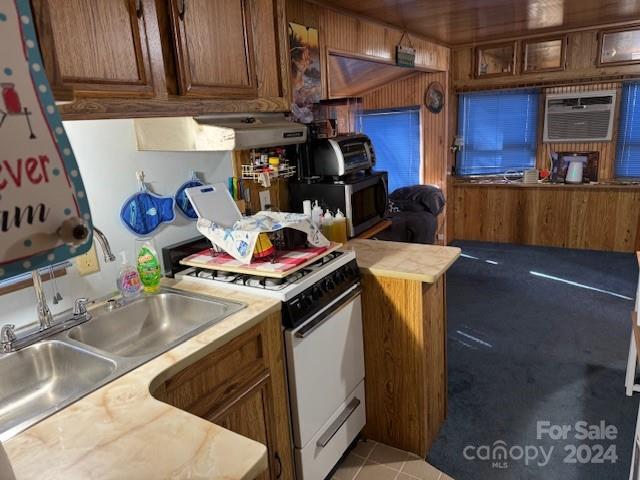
[[499, 130], [395, 135], [628, 151]]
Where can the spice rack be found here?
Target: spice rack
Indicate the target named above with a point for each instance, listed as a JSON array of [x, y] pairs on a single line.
[[254, 172], [266, 165]]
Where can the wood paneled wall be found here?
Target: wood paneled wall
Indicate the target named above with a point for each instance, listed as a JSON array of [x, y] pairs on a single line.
[[587, 217], [607, 150], [435, 152], [342, 32]]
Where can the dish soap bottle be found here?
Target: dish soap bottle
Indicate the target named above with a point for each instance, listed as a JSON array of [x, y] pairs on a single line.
[[148, 265], [340, 228], [128, 279]]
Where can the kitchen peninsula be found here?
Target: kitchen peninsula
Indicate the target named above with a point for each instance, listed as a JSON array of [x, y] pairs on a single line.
[[405, 338]]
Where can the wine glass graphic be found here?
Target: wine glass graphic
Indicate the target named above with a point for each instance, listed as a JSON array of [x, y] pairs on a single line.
[[13, 106]]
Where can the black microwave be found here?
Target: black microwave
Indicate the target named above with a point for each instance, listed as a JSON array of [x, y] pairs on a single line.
[[362, 198]]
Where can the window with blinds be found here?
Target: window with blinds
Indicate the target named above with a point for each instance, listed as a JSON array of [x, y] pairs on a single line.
[[395, 135], [499, 130], [628, 150]]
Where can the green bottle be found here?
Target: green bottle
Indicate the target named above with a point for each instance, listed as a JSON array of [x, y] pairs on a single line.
[[148, 266]]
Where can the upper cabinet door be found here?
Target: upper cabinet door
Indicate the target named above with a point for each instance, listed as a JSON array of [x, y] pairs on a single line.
[[95, 46], [214, 48]]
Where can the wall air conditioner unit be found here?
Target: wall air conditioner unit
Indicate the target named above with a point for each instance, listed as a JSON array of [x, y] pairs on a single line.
[[579, 117]]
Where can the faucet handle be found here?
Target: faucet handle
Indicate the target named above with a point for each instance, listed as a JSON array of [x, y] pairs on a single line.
[[80, 306], [7, 337]]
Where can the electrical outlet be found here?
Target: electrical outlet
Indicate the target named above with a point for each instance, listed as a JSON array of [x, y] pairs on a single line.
[[88, 263], [265, 199]]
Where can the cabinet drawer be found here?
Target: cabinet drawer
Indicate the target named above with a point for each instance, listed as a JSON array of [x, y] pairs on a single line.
[[217, 379]]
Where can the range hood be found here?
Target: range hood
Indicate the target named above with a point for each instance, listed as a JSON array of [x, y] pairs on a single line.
[[218, 132]]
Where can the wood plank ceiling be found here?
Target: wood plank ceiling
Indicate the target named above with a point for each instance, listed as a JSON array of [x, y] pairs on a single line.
[[456, 22]]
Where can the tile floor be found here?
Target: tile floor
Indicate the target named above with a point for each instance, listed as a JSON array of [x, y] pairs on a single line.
[[375, 461]]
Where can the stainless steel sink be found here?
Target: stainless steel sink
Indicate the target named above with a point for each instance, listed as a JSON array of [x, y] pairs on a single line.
[[150, 324], [43, 378], [38, 378]]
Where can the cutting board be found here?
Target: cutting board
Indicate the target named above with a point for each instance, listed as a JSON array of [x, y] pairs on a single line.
[[214, 203], [287, 262]]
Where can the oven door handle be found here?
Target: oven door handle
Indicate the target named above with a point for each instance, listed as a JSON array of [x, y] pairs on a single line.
[[324, 314], [338, 422]]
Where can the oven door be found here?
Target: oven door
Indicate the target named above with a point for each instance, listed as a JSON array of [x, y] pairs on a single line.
[[366, 203], [325, 363]]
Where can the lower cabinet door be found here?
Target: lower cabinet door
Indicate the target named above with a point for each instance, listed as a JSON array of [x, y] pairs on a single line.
[[252, 416]]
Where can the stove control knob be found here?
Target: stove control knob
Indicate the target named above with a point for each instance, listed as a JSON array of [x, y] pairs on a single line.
[[307, 300], [349, 272], [329, 285], [316, 293], [297, 305]]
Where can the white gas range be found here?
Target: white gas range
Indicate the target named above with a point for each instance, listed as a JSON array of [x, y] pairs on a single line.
[[322, 319]]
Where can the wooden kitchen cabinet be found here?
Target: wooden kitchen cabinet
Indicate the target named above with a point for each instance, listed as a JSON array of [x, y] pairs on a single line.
[[141, 58], [226, 48], [98, 48], [241, 387], [214, 47]]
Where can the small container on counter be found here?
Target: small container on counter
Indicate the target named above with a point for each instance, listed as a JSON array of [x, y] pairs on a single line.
[[339, 228]]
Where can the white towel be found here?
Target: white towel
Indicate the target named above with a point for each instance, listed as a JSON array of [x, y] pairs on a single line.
[[239, 241]]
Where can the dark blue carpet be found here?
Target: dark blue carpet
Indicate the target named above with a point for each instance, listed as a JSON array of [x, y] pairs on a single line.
[[525, 349]]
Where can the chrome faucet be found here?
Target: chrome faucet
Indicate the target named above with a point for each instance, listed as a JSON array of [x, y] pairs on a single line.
[[107, 254], [45, 319], [9, 341]]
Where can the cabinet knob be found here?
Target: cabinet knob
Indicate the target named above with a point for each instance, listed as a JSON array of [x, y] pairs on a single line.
[[139, 8]]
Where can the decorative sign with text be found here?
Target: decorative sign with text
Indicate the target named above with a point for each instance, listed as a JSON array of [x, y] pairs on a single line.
[[40, 184]]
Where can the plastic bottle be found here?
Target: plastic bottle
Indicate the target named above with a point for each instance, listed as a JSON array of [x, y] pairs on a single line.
[[306, 208], [340, 228], [148, 265], [128, 279], [316, 214], [327, 225]]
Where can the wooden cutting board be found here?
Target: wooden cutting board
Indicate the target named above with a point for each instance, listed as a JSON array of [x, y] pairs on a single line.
[[287, 262]]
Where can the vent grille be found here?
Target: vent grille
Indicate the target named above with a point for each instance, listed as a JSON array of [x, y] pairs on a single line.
[[585, 126]]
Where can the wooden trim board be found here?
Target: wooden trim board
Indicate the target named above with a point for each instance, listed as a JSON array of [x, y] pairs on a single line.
[[265, 273]]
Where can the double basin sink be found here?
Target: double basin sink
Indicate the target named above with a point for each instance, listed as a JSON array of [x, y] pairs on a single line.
[[45, 377]]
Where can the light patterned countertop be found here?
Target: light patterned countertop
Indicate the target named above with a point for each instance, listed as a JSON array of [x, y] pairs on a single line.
[[409, 261], [121, 432]]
